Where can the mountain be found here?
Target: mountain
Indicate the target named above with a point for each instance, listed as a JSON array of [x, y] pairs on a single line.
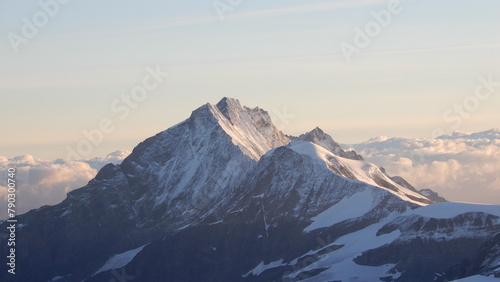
[[226, 196]]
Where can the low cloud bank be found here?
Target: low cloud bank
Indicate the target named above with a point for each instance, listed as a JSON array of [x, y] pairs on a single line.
[[40, 182], [459, 166]]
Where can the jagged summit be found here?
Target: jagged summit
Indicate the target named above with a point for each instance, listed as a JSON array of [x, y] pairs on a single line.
[[251, 129], [230, 105]]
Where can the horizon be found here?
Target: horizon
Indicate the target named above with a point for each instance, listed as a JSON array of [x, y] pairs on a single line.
[[281, 119], [358, 69], [438, 164]]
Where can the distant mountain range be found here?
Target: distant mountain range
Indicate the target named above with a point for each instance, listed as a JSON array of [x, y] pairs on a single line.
[[226, 196]]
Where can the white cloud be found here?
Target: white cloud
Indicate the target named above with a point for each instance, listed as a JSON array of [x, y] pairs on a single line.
[[459, 166], [310, 7], [40, 182]]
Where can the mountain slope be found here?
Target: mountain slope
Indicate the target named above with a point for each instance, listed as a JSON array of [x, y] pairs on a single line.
[[195, 165], [273, 232]]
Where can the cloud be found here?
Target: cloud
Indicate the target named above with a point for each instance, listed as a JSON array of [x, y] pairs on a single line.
[[460, 166], [115, 157], [310, 7], [437, 49], [40, 182]]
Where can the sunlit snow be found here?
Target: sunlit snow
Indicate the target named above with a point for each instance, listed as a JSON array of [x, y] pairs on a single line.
[[119, 260]]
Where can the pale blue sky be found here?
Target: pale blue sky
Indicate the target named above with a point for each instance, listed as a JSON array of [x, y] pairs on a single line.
[[273, 54]]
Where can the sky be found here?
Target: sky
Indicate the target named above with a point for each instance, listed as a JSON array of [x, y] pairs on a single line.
[[71, 71]]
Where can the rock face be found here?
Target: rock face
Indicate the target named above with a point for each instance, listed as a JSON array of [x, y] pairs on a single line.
[[485, 261], [427, 246], [433, 196], [226, 196]]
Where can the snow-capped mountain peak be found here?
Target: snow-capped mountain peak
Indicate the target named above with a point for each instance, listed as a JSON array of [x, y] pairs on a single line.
[[193, 167], [251, 129], [319, 137]]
